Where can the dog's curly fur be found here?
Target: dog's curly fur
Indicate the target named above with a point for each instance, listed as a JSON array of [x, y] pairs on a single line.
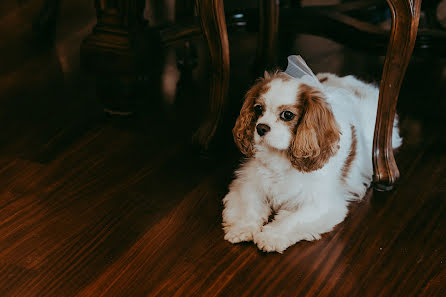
[[304, 168]]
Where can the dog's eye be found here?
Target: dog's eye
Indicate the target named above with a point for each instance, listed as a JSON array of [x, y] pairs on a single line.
[[286, 115], [258, 109]]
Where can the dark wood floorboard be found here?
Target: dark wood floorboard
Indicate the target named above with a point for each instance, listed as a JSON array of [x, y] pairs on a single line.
[[92, 205]]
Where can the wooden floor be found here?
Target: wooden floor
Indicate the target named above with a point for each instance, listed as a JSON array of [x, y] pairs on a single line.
[[98, 206]]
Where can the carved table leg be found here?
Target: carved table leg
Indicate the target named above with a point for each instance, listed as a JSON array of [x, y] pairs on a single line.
[[214, 28], [405, 17], [109, 52], [267, 37]]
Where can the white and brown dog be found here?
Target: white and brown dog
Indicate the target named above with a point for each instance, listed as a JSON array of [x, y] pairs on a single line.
[[309, 149]]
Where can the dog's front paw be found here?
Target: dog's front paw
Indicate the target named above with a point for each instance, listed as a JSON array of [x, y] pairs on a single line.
[[235, 234], [270, 240]]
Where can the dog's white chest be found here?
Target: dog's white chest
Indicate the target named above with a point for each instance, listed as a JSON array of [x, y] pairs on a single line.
[[280, 185]]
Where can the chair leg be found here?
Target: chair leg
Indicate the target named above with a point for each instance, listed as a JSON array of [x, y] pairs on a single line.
[[213, 25], [405, 17], [267, 37]]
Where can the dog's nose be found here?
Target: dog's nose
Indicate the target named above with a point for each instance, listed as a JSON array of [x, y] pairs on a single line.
[[262, 129]]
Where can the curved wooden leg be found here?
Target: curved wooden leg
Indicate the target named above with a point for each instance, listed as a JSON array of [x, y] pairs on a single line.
[[213, 25], [267, 38], [405, 17]]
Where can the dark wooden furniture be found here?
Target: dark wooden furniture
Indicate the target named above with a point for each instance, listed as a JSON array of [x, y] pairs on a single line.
[[338, 23], [118, 53], [405, 17]]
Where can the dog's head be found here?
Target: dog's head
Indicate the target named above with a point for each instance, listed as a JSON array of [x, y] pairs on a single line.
[[287, 114]]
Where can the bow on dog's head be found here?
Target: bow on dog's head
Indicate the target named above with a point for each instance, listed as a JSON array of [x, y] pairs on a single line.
[[283, 113]]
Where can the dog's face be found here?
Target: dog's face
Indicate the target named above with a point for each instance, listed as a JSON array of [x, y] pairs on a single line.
[[276, 113], [285, 114]]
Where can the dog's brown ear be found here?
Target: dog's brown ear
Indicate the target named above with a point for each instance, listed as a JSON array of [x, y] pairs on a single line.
[[243, 130], [317, 133]]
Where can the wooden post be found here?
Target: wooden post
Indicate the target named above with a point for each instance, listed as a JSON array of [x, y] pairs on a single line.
[[405, 17]]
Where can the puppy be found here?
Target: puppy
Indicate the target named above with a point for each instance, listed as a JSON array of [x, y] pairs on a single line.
[[309, 152]]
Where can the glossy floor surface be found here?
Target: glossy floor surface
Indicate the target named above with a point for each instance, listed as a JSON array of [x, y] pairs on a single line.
[[92, 205]]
